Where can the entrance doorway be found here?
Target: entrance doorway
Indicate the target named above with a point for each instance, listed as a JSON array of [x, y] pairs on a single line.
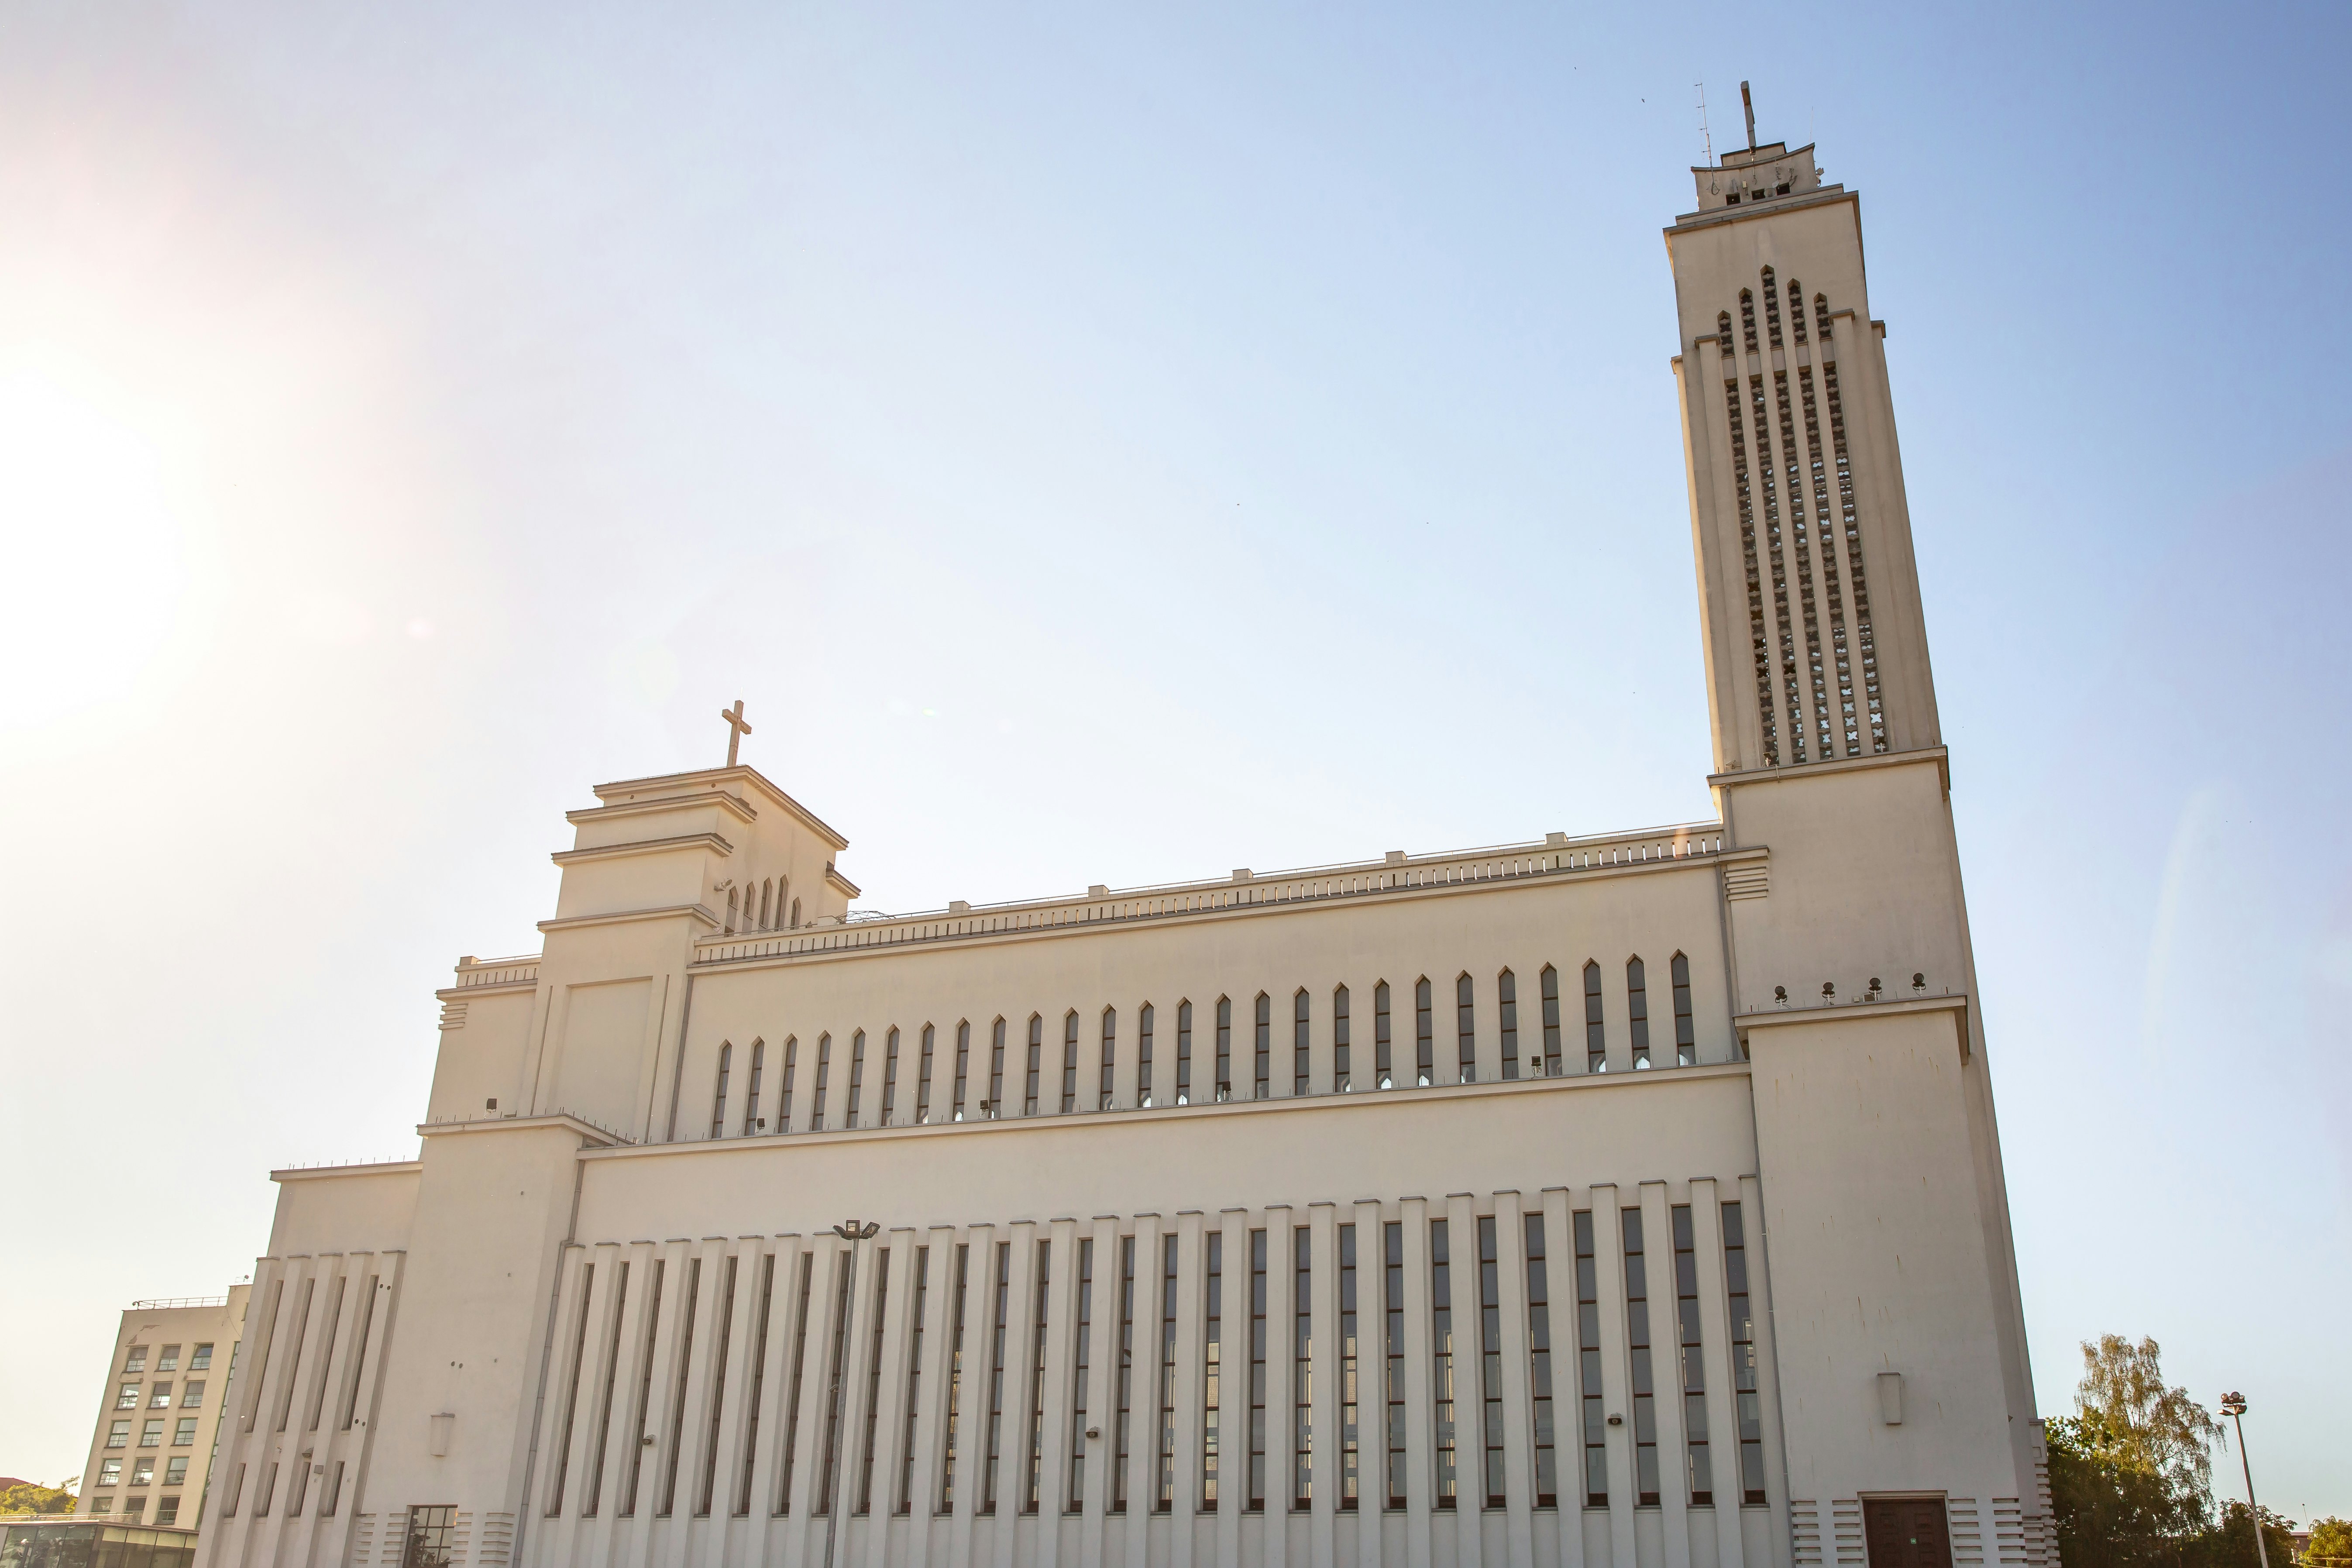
[[1907, 1532]]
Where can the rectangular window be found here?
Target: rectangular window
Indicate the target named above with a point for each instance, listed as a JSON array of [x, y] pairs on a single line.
[[570, 1398], [167, 1511], [1069, 1064], [1041, 1296], [638, 1434], [143, 1473], [962, 1068], [993, 1106], [1107, 1078], [1490, 1355], [1263, 1080], [109, 1472], [135, 1360], [1393, 1288], [784, 1098], [857, 1075], [184, 1432], [1588, 1369], [752, 1121], [1258, 1349], [1143, 1022], [1507, 1008], [117, 1436], [1702, 1472], [718, 1093], [168, 1359], [294, 1355], [743, 1504], [923, 1078], [996, 1378], [302, 1489], [1466, 1027], [1080, 1363], [1637, 1010], [891, 1078], [201, 1359], [1164, 1491], [955, 1379], [128, 1399], [604, 1400], [1299, 1070], [1213, 1336], [1550, 1021], [905, 1495], [824, 1073], [1036, 1063], [159, 1396], [1596, 1036], [1425, 1039], [1384, 1068], [874, 1384], [1745, 1398], [1685, 1031], [1183, 1053], [784, 1502], [1126, 1376], [1351, 1407], [1441, 1350], [837, 1373], [191, 1392], [718, 1392], [260, 1502], [678, 1393], [1225, 1049], [430, 1531], [1637, 1340], [1340, 1082], [150, 1435], [1302, 1368], [1539, 1366], [334, 1496]]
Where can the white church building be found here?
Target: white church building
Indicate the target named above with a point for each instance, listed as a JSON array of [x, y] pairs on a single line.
[[1625, 1201]]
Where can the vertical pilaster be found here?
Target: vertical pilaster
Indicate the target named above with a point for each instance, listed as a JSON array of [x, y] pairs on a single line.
[[1053, 1436], [1519, 1447], [1567, 1404], [1281, 1286], [1232, 1390], [1020, 1357], [1372, 1382], [1767, 1363], [1421, 1469], [1102, 1393], [1469, 1391], [1323, 1414], [1609, 1276], [1666, 1370]]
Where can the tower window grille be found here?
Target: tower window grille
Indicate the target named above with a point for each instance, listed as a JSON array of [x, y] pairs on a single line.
[[1759, 641], [1780, 567], [1852, 522]]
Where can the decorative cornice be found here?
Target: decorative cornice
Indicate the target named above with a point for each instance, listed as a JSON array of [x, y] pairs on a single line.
[[1715, 217], [627, 916], [709, 841], [326, 1172], [1939, 755], [1955, 1002], [734, 803], [714, 776], [602, 1137]]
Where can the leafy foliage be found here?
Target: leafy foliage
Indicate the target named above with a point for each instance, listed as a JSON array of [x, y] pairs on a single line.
[[2331, 1543], [31, 1498]]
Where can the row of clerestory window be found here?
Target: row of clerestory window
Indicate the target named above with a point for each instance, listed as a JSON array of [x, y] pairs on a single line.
[[768, 906]]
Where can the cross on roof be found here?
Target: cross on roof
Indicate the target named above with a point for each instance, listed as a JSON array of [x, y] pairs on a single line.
[[736, 729]]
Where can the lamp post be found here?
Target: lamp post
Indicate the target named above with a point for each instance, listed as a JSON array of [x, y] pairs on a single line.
[[854, 1234], [2233, 1405]]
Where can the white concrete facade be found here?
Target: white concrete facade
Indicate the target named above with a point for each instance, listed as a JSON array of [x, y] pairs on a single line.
[[598, 1320]]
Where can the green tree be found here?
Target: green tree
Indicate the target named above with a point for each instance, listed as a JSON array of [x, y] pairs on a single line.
[[2123, 1385], [2112, 1508], [33, 1497], [2331, 1543], [2230, 1543]]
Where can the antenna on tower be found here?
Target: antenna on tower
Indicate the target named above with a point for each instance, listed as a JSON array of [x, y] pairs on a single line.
[[1749, 104], [1705, 135]]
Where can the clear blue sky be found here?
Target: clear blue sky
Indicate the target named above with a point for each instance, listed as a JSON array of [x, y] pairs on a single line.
[[1117, 444]]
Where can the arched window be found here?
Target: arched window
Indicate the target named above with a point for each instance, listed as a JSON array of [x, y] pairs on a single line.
[[1183, 1053], [823, 1071], [1748, 318], [993, 1106], [1465, 1027], [785, 1095], [719, 1096], [1384, 1068], [1723, 331], [1070, 1062], [1107, 1076], [1507, 1004], [733, 897], [1637, 1011], [1685, 1031], [1596, 1037], [1550, 978], [796, 914], [1037, 1062], [1225, 1049], [1300, 1009], [1264, 1078], [923, 1080], [857, 1075], [1342, 1079], [1424, 1043], [962, 1068], [1144, 1019], [1772, 309], [1797, 309], [752, 1122], [767, 891], [889, 1076]]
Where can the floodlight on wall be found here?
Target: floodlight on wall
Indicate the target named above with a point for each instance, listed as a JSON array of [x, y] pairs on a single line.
[[1918, 981], [1829, 990], [1874, 988], [1781, 994]]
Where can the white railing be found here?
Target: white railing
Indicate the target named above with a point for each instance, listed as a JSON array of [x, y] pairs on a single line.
[[173, 1303], [474, 972], [1557, 856]]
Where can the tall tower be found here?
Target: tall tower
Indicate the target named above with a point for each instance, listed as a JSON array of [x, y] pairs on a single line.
[[1900, 1332]]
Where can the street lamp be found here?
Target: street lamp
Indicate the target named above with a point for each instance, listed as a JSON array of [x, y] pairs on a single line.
[[2233, 1405], [854, 1234]]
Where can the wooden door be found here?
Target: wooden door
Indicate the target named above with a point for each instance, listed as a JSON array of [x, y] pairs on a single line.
[[1907, 1532]]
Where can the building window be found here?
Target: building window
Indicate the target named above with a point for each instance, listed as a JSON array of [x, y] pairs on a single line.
[[1637, 1011], [117, 1436], [784, 1499], [109, 1472], [1382, 1066], [1637, 1340], [1596, 1036], [955, 1381], [1393, 1301], [143, 1473], [1506, 1000], [1299, 1070], [923, 1080], [1466, 1027], [796, 914], [706, 1490], [1745, 1400], [1702, 1472], [1258, 1349], [718, 1093], [1081, 1362], [784, 1096], [128, 1399], [872, 1385], [430, 1530], [1540, 1393], [167, 1511], [1685, 1030], [1036, 1063], [1588, 1369], [1262, 1080], [605, 1403], [1425, 1053], [184, 1432], [1490, 1355], [1550, 978], [201, 1359], [678, 1391], [1212, 1346], [1225, 1049], [1340, 1080], [1039, 1290], [640, 1437], [751, 1121], [1853, 525], [993, 1106], [1107, 1080], [334, 1492], [743, 1504], [1183, 1053], [1164, 1492], [159, 1396], [890, 1076], [175, 1471], [1070, 1062], [136, 1360], [1302, 1368], [857, 1075], [1440, 1351], [1144, 1019], [168, 1359], [962, 1068], [150, 1435], [1742, 489], [1124, 1381], [996, 1379], [824, 1072], [1350, 1408]]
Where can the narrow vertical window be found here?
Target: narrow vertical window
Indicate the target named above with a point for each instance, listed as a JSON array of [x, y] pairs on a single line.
[[751, 1121], [784, 1502], [993, 1106], [677, 1394], [1588, 1368], [1637, 1340], [1036, 1065], [1144, 1019], [837, 1373], [1302, 1368], [1550, 1021], [1685, 1031], [1745, 1400], [954, 1427], [857, 1075], [603, 1400], [1042, 1297], [890, 1076], [996, 1379], [1262, 1078], [1342, 1080], [1384, 1066], [962, 1068], [1441, 1352], [905, 1496], [1299, 1070], [1350, 1390], [1164, 1397], [785, 1093], [1213, 1338], [1425, 1044], [1466, 1027], [1258, 1349], [1507, 1011], [1081, 1363], [1701, 1468], [1743, 491], [1123, 1392], [1183, 1053], [874, 1384], [718, 1093], [1540, 1394], [1392, 1301], [923, 1080], [824, 1072], [759, 1383], [1107, 1081], [717, 1393], [1070, 1062], [639, 1439], [1225, 1049], [1596, 1037], [1490, 1355], [571, 1396], [1637, 1010]]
